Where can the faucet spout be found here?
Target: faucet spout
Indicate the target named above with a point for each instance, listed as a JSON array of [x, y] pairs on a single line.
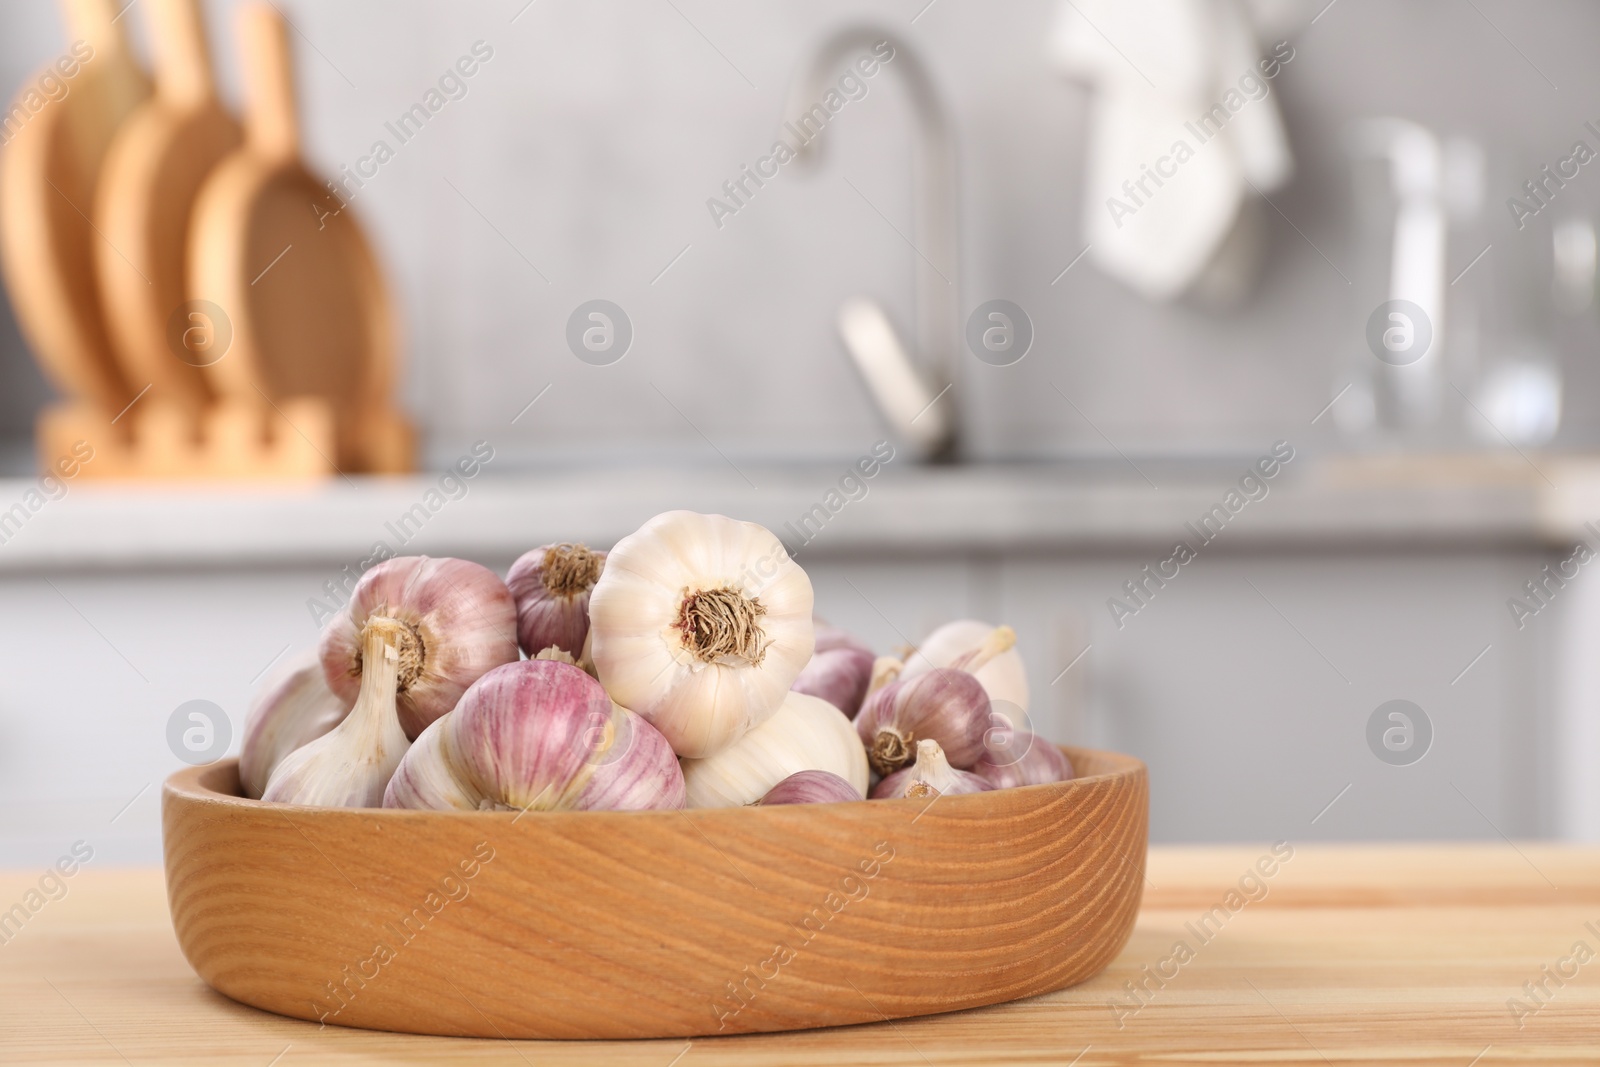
[[911, 391]]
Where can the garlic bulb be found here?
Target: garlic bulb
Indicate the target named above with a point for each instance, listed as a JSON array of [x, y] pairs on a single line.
[[806, 733], [295, 707], [839, 671], [537, 735], [636, 770], [551, 587], [810, 787], [350, 766], [930, 776], [944, 704], [1017, 757], [1004, 676], [458, 619], [700, 623]]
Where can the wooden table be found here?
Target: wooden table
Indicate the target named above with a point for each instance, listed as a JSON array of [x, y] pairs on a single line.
[[1346, 955]]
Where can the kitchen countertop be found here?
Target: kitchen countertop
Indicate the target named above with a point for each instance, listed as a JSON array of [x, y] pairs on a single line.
[[1350, 502], [1353, 955]]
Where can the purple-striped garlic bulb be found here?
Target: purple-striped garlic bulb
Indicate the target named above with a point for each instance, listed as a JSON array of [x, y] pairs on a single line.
[[538, 735], [1017, 757], [945, 705], [551, 587], [635, 771], [811, 787], [350, 766], [959, 644], [295, 707], [930, 776], [457, 621], [839, 670]]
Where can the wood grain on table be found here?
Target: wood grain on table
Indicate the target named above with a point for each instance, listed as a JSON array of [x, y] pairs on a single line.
[[1347, 955]]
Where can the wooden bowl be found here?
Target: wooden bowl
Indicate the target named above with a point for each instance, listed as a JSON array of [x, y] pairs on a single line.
[[654, 924]]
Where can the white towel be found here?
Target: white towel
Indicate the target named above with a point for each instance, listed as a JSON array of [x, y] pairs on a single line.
[[1163, 184]]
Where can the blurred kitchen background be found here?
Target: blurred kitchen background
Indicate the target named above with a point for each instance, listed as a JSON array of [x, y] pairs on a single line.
[[577, 167]]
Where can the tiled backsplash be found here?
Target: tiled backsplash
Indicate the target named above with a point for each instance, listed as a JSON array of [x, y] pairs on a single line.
[[576, 162]]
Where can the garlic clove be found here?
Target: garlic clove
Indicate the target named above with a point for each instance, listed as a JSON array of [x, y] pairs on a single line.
[[930, 776], [459, 620], [1014, 758], [551, 586], [1002, 673], [295, 707], [811, 787], [538, 735], [806, 733], [700, 623], [945, 705], [350, 766], [840, 670]]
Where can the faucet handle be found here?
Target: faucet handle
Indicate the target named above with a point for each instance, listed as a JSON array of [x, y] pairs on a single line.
[[921, 418]]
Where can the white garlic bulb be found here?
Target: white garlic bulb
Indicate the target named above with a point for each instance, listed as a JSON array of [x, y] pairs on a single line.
[[293, 709], [700, 623], [1004, 677], [806, 733], [351, 766]]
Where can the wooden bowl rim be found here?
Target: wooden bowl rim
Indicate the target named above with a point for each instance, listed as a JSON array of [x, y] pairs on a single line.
[[200, 784]]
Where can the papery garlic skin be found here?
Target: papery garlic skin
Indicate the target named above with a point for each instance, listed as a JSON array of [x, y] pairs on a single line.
[[1015, 758], [839, 671], [811, 787], [538, 735], [1004, 676], [551, 586], [294, 708], [806, 733], [460, 623], [945, 705], [350, 766], [930, 776], [700, 623]]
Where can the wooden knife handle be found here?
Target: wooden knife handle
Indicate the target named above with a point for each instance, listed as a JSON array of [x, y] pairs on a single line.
[[183, 60], [271, 125], [95, 21]]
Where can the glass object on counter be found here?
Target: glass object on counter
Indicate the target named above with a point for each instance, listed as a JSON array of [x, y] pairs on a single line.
[[1545, 274], [1450, 336]]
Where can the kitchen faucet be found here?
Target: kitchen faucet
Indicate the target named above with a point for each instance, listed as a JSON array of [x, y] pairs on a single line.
[[914, 399]]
